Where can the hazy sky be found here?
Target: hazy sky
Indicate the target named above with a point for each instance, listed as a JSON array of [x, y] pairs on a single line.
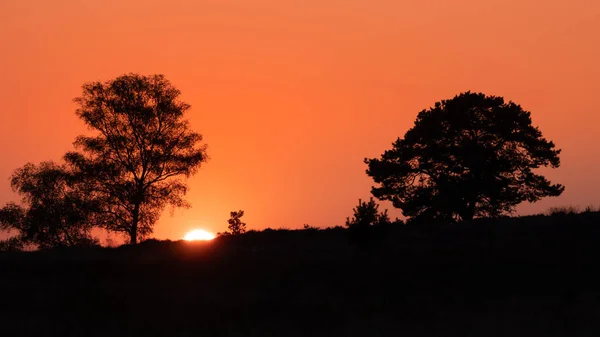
[[292, 95]]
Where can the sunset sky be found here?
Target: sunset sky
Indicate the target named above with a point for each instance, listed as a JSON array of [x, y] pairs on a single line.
[[292, 95]]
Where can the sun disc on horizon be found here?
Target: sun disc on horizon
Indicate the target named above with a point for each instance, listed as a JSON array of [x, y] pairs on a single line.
[[199, 235]]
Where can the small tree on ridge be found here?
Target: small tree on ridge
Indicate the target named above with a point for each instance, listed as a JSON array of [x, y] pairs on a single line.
[[236, 226], [367, 214]]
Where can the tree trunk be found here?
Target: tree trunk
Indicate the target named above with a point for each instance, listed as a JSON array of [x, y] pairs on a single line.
[[133, 236], [134, 224]]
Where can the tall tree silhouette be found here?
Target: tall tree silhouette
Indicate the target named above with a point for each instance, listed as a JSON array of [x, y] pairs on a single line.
[[142, 150], [236, 226], [54, 211], [470, 156]]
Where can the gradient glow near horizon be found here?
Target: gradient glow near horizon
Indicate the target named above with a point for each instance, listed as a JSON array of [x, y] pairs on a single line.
[[198, 235], [291, 96]]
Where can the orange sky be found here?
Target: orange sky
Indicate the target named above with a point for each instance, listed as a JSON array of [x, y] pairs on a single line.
[[292, 95]]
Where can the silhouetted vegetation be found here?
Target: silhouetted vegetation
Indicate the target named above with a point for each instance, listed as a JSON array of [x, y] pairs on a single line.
[[143, 145], [528, 276], [566, 210], [121, 179], [236, 225], [13, 244], [367, 214], [54, 211], [466, 163], [467, 157]]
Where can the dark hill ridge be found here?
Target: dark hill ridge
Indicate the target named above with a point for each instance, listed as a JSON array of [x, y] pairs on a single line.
[[528, 276]]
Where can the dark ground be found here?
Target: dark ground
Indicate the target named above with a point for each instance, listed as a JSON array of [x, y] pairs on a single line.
[[534, 276]]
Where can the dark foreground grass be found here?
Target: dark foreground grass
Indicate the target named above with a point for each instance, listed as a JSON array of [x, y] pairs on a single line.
[[533, 276]]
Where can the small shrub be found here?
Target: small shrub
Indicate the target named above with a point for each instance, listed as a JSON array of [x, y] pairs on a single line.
[[562, 211], [589, 209], [236, 226]]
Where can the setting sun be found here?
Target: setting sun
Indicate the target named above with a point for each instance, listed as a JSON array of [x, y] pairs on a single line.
[[198, 235]]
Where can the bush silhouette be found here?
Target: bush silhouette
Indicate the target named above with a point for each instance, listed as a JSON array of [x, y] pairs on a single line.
[[368, 226], [236, 226], [367, 214], [55, 210]]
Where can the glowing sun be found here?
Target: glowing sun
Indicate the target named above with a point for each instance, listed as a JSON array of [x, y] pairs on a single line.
[[198, 235]]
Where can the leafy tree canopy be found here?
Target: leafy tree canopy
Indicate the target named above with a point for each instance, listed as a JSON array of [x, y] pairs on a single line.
[[54, 211], [469, 156], [142, 149]]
